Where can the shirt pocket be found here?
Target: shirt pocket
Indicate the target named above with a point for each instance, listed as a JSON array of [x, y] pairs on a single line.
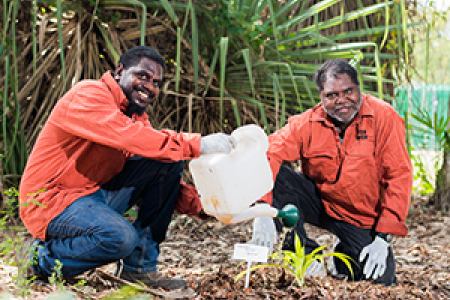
[[360, 161], [322, 165], [360, 166]]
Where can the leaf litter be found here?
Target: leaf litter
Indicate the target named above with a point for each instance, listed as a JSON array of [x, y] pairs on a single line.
[[201, 252]]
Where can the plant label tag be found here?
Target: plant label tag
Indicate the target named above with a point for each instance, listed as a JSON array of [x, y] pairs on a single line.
[[250, 252]]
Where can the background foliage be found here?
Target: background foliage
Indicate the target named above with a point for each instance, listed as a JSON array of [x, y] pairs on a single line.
[[432, 68], [428, 101], [229, 62]]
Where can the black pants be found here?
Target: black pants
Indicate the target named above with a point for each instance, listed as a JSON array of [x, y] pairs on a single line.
[[296, 188]]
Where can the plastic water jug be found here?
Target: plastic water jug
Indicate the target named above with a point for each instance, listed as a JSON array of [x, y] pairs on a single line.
[[229, 184]]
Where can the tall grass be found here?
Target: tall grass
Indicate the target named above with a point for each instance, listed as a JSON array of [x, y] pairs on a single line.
[[229, 62], [13, 142]]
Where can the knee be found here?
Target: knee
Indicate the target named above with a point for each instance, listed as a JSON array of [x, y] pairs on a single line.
[[129, 241], [122, 241], [177, 167], [172, 169], [388, 279], [356, 271], [174, 172]]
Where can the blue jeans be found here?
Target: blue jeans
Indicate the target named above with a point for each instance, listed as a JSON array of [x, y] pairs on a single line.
[[92, 232]]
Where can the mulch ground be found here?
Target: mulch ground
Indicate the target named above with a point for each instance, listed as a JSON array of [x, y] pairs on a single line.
[[202, 253]]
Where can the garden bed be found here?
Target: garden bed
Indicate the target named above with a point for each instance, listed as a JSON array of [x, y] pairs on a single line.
[[202, 253]]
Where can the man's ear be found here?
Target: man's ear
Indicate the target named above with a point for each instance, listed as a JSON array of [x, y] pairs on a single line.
[[118, 72]]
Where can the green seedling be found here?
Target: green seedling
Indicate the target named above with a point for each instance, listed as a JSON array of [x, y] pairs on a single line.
[[15, 251], [296, 263]]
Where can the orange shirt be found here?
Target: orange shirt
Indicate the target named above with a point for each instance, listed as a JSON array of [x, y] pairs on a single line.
[[84, 143], [365, 180]]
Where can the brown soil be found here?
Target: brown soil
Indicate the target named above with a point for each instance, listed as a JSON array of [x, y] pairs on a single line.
[[201, 252]]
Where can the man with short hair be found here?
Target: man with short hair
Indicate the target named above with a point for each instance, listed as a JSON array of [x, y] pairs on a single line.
[[95, 158], [356, 177]]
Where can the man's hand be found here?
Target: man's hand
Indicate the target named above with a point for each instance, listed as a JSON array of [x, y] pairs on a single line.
[[377, 253], [217, 143], [264, 233]]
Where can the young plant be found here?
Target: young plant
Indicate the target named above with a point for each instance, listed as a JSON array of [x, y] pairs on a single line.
[[13, 246], [296, 263], [15, 249], [56, 279]]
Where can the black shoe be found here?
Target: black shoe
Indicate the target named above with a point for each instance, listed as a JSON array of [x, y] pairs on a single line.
[[154, 279]]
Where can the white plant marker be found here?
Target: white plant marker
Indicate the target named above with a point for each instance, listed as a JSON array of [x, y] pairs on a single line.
[[250, 253]]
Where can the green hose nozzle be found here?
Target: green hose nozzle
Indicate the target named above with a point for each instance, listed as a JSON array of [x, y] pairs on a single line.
[[289, 215]]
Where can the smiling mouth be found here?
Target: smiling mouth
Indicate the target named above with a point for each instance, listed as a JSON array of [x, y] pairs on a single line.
[[143, 95], [142, 98], [344, 109]]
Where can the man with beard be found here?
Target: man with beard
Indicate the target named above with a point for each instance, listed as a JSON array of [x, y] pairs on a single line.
[[95, 158], [356, 177]]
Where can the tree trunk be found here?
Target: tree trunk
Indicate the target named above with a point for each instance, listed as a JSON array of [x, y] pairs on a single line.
[[442, 193]]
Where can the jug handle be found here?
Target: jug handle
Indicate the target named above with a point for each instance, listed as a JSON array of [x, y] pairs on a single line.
[[251, 132]]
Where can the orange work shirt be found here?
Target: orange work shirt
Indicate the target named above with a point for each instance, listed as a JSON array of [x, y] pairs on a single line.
[[365, 179], [85, 142]]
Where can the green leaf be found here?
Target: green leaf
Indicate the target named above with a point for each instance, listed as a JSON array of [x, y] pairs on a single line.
[[170, 11], [223, 61], [297, 262]]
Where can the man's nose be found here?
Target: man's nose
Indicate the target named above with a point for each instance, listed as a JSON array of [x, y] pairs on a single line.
[[341, 97], [152, 87]]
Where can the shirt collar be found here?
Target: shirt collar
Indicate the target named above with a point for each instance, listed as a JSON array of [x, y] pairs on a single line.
[[119, 96]]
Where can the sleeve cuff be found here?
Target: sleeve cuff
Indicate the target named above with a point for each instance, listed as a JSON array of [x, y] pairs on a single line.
[[193, 145], [188, 201], [389, 225]]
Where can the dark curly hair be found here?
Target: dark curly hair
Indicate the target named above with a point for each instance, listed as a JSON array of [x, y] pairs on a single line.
[[134, 55]]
